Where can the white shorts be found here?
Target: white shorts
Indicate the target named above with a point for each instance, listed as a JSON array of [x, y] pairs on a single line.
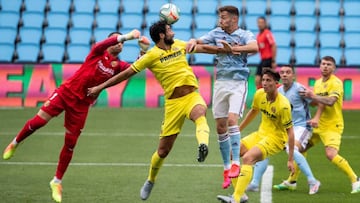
[[229, 97], [302, 135]]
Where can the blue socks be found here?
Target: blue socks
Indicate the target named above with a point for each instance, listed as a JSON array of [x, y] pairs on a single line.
[[259, 170]]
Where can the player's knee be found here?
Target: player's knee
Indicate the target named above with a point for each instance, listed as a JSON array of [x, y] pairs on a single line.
[[71, 138], [163, 153]]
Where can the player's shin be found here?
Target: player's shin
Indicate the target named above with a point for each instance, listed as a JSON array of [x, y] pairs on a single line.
[[243, 181], [202, 130], [156, 163]]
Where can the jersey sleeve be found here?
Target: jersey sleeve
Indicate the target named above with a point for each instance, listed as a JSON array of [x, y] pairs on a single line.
[[143, 62], [335, 89], [270, 38], [286, 118], [101, 46]]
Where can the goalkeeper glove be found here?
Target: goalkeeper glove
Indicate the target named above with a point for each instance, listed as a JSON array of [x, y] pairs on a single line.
[[144, 43], [135, 34]]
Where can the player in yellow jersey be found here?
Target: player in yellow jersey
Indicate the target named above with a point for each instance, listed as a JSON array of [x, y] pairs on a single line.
[[328, 94], [275, 131], [167, 61]]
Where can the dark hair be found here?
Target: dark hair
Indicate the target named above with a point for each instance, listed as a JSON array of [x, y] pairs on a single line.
[[157, 28], [113, 33], [290, 66], [230, 9], [274, 74], [262, 18], [329, 58]]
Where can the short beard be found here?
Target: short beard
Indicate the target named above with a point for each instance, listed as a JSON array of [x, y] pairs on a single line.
[[169, 41]]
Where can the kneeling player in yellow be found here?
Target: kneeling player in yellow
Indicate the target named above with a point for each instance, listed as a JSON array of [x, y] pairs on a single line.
[[275, 130]]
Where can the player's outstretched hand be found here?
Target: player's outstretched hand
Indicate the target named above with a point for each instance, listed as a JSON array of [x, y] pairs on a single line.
[[134, 34], [93, 91], [144, 43], [190, 46], [228, 48]]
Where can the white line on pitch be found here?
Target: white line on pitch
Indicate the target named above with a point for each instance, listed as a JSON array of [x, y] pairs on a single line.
[[123, 134], [109, 164], [266, 185]]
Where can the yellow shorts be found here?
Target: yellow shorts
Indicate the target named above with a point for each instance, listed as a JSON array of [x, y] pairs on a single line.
[[329, 137], [176, 110], [269, 145]]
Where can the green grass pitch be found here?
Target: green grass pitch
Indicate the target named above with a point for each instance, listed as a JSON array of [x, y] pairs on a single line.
[[111, 162]]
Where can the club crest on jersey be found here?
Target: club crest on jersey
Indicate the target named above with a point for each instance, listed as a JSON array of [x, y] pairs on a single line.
[[273, 109], [114, 64]]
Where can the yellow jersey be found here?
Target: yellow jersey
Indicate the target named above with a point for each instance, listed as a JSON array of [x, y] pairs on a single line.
[[275, 116], [331, 117], [170, 67]]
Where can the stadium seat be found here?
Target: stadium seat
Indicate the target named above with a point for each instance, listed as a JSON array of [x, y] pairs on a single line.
[[329, 39], [280, 7], [185, 6], [133, 6], [205, 21], [184, 22], [133, 21], [183, 34], [351, 24], [334, 52], [102, 33], [9, 19], [280, 23], [130, 53], [305, 7], [207, 6], [329, 7], [204, 59], [33, 19], [200, 32], [55, 36], [60, 6], [253, 59], [282, 38], [352, 57], [351, 7], [236, 3], [153, 17], [107, 20], [80, 36], [30, 35], [8, 35], [11, 6], [305, 56], [39, 6], [109, 6], [283, 55], [6, 52], [57, 20], [153, 6], [53, 53], [304, 39], [27, 52], [256, 7], [82, 20], [352, 40], [84, 6], [329, 24], [305, 23], [77, 52], [251, 22]]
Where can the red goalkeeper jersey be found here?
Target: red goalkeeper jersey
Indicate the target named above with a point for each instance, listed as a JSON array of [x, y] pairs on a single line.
[[98, 67], [265, 40]]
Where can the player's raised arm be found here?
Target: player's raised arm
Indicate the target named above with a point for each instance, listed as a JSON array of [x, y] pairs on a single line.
[[95, 91]]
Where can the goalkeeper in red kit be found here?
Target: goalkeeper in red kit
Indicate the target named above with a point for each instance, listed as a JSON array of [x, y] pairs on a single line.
[[100, 64]]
